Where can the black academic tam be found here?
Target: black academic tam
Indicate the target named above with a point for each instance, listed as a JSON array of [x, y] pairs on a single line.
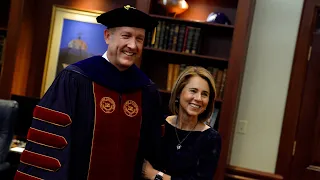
[[127, 16]]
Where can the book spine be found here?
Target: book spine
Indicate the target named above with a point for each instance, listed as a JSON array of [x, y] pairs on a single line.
[[175, 37], [188, 44], [166, 36], [182, 30], [170, 39], [170, 76], [156, 44], [162, 34], [195, 41]]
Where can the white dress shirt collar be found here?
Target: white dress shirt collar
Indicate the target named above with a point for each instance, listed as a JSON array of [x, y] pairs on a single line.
[[105, 56]]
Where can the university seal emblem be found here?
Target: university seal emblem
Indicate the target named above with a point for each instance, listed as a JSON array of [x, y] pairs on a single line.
[[107, 105], [130, 108]]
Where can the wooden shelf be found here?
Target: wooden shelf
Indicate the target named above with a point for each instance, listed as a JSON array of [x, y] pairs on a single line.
[[164, 91], [199, 23], [187, 54], [169, 92]]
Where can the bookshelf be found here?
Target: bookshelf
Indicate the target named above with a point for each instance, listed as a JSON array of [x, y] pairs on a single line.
[[203, 57], [193, 22], [221, 48]]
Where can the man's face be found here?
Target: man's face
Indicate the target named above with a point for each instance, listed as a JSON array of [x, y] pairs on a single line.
[[125, 45]]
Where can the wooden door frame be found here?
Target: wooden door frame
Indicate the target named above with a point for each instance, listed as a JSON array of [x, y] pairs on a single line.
[[12, 43], [295, 91]]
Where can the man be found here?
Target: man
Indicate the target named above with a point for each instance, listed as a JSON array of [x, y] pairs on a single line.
[[100, 118]]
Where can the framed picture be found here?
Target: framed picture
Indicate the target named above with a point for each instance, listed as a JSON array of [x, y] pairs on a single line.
[[74, 35]]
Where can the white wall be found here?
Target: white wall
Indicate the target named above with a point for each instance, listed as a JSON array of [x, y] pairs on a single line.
[[265, 84]]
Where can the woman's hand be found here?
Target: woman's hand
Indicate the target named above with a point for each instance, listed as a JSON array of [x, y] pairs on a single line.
[[148, 171]]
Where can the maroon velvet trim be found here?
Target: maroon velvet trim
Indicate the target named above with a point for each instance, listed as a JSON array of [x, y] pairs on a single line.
[[116, 134], [24, 176], [46, 139], [51, 116], [40, 161], [163, 130]]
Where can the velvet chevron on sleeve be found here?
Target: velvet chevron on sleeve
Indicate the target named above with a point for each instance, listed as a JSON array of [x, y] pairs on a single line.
[[47, 153]]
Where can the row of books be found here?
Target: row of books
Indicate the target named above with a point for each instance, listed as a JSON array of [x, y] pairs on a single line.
[[175, 37], [219, 76]]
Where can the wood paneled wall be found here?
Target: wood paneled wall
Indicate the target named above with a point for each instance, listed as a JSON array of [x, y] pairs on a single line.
[[4, 13], [12, 43]]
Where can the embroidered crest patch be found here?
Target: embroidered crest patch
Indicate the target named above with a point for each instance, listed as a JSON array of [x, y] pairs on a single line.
[[107, 105], [130, 108]]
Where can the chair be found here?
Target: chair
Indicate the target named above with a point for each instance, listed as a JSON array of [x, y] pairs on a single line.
[[8, 114]]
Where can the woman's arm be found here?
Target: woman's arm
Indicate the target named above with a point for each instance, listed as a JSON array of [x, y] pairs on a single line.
[[150, 173]]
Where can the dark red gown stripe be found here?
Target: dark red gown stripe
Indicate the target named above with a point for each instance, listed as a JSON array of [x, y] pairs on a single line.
[[24, 176], [51, 116], [116, 134], [40, 161], [46, 139]]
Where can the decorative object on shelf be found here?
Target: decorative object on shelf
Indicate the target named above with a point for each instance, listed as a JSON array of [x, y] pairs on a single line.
[[174, 6], [218, 17]]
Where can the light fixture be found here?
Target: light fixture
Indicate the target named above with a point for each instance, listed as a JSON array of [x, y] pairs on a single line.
[[174, 6]]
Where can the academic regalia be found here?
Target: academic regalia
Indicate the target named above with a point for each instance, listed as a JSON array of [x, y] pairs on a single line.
[[94, 122]]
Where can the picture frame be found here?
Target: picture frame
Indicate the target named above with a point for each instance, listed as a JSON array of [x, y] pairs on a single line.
[[74, 35]]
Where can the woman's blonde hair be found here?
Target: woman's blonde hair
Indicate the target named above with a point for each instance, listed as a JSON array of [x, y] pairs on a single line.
[[183, 80]]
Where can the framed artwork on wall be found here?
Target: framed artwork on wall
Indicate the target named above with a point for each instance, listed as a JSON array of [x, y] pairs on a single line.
[[74, 35]]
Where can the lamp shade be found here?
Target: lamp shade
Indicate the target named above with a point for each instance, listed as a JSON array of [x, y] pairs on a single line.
[[174, 6]]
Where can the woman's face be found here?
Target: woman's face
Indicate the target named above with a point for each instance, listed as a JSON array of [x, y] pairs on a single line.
[[194, 97]]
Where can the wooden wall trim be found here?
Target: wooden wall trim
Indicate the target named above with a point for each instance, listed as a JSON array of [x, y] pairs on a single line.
[[295, 91], [236, 177], [14, 26], [235, 172], [143, 5], [240, 41], [4, 14], [23, 57]]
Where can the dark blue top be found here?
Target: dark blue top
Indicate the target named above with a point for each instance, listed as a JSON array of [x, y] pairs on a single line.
[[196, 159]]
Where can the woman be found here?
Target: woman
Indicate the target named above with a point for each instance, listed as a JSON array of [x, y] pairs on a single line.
[[190, 148]]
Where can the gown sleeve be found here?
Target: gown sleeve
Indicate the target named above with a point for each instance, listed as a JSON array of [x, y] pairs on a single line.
[[207, 161], [155, 133], [150, 139], [46, 155]]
